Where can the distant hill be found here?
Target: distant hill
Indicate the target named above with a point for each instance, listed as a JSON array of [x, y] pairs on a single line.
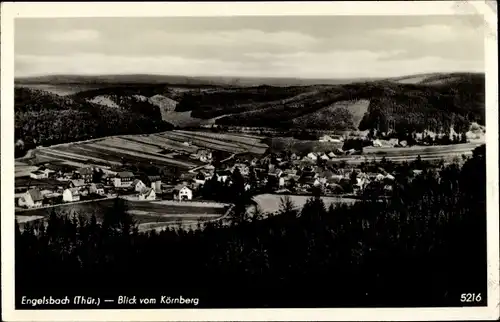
[[428, 101], [225, 81]]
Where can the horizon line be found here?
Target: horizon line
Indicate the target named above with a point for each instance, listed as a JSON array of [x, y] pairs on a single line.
[[249, 77]]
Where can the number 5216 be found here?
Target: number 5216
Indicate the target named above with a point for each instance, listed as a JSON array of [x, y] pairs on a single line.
[[470, 297]]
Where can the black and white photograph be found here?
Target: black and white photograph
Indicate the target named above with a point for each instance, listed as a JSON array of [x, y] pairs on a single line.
[[180, 157]]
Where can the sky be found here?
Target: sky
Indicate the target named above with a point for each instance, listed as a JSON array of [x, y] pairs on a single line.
[[258, 46]]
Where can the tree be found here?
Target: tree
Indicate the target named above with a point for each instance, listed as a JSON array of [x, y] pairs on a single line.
[[292, 184], [97, 175], [463, 138], [252, 178], [257, 213], [238, 184]]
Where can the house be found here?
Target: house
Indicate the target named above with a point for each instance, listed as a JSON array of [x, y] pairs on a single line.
[[275, 172], [38, 174], [312, 156], [123, 179], [204, 155], [417, 172], [331, 155], [97, 189], [306, 181], [244, 169], [319, 182], [138, 185], [147, 194], [76, 183], [52, 198], [222, 176], [183, 193], [154, 182], [385, 143], [86, 174], [327, 138], [31, 199], [71, 195], [324, 157], [335, 178], [108, 179], [362, 183], [200, 178]]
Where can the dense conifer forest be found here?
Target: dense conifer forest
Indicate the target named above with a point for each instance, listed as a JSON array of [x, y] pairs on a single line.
[[423, 246]]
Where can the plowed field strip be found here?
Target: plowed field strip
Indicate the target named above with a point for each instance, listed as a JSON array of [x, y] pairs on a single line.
[[165, 143], [73, 157], [85, 150], [141, 156], [208, 143], [225, 138]]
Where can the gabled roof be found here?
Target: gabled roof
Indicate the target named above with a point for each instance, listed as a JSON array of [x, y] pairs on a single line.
[[146, 191], [74, 191], [78, 182], [136, 181], [125, 174], [178, 188], [35, 194], [154, 178]]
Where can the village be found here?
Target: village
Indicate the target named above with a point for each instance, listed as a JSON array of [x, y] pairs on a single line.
[[328, 173]]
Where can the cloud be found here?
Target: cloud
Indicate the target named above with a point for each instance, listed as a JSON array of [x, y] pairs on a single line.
[[76, 35], [432, 33], [236, 39]]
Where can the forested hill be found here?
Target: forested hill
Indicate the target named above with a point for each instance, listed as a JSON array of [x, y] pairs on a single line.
[[42, 118], [433, 103], [417, 102]]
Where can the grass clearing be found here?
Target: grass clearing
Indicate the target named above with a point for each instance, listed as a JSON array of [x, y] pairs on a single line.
[[270, 203]]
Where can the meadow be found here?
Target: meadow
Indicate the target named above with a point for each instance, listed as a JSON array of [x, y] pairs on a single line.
[[270, 203], [143, 212]]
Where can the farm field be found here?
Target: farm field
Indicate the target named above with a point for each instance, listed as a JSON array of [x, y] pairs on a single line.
[[151, 149], [270, 203], [280, 144], [436, 149], [144, 212]]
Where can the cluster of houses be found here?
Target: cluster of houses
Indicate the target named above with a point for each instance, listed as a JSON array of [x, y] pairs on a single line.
[[54, 184], [282, 173]]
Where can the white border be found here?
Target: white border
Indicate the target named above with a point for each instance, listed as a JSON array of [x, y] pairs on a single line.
[[11, 10]]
